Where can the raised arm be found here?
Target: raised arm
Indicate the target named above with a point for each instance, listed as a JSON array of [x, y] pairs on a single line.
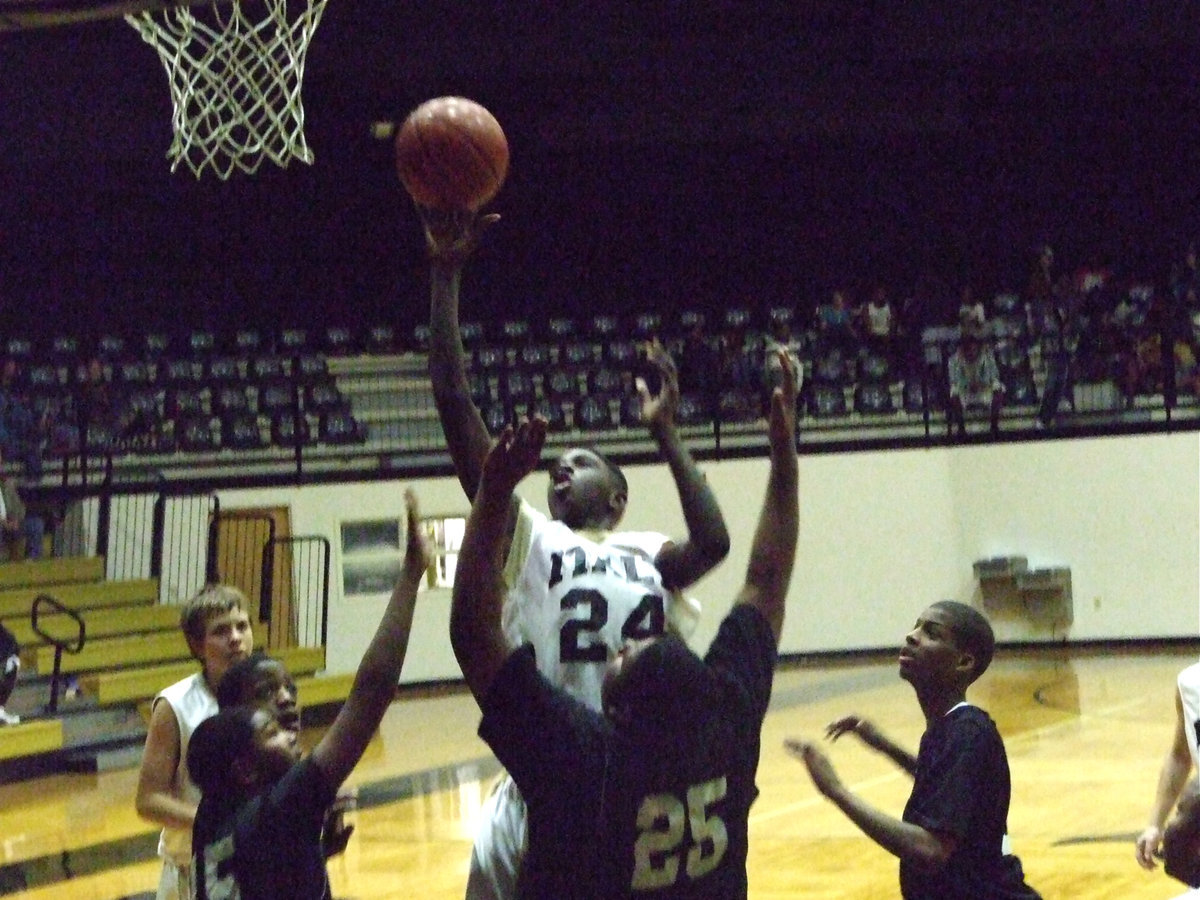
[[340, 749], [774, 550], [476, 633], [1171, 778], [707, 543], [451, 238]]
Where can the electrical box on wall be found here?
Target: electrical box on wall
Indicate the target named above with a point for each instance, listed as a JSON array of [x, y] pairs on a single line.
[[1025, 603]]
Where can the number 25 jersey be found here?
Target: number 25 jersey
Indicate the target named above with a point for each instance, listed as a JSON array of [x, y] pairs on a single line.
[[577, 597]]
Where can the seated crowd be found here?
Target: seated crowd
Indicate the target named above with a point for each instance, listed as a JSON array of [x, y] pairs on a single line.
[[939, 350]]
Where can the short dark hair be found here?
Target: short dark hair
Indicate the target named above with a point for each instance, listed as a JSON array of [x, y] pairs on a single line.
[[613, 469], [665, 686], [214, 746], [972, 633], [236, 684]]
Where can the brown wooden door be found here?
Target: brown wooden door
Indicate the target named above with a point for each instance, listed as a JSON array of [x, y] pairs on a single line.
[[242, 539]]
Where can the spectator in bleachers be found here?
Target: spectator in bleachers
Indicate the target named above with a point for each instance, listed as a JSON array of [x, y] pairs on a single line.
[[1145, 370], [96, 401], [974, 381], [971, 311], [22, 422], [17, 524], [879, 324], [835, 324], [1039, 292], [1059, 342], [740, 363], [699, 367], [10, 668], [1185, 280]]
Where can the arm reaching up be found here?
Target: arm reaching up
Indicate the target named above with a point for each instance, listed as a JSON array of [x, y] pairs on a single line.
[[707, 543], [451, 238], [774, 550], [339, 751], [475, 625]]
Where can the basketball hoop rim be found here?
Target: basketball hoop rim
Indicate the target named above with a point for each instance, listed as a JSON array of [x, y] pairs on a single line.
[[29, 15]]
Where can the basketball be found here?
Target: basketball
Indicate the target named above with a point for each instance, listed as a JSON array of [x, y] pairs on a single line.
[[451, 154]]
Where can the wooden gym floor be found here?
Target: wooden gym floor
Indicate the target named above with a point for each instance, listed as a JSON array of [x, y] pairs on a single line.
[[1086, 732]]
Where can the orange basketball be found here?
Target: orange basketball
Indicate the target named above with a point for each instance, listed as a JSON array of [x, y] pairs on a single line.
[[451, 153]]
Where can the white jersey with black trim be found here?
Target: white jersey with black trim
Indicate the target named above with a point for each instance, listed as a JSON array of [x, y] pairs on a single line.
[[577, 597], [1189, 693]]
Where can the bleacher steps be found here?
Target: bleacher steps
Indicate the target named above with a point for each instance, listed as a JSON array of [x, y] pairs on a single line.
[[17, 602], [98, 623], [30, 738], [109, 653], [318, 690], [55, 570], [131, 685]]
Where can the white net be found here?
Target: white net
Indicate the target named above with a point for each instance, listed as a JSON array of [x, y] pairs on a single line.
[[235, 80]]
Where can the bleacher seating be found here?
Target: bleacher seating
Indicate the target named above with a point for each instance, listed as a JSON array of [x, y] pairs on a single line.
[[134, 648], [203, 398]]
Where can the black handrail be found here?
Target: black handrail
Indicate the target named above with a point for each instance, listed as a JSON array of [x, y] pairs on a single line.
[[59, 645]]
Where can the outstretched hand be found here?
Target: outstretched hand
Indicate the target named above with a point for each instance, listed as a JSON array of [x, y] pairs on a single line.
[[515, 454], [451, 236], [782, 422], [418, 553], [820, 769], [658, 410], [853, 724]]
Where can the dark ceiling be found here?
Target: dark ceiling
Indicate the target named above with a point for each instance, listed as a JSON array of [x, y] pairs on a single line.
[[664, 154]]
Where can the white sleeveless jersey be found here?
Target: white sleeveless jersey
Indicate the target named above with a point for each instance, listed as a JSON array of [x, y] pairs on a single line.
[[1189, 693], [192, 702], [577, 598]]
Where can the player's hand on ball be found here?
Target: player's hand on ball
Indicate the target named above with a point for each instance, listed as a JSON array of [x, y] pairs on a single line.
[[452, 236]]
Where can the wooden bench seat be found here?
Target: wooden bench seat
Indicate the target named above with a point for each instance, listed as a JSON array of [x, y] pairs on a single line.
[[98, 623], [111, 653], [54, 570], [31, 738], [17, 603], [132, 685], [318, 690]]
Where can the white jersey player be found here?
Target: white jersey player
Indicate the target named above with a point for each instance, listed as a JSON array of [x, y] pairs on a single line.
[[577, 590], [1180, 765]]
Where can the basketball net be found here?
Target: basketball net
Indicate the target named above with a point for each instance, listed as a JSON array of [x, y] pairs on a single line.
[[235, 81]]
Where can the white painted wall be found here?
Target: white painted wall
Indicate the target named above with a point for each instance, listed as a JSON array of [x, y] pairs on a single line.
[[881, 536]]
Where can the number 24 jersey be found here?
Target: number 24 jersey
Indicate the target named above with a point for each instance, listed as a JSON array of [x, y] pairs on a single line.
[[577, 597]]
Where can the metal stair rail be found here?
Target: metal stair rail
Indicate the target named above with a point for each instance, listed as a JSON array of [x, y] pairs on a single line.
[[59, 645]]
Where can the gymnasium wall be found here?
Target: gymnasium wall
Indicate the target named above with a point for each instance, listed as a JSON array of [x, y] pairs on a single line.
[[882, 535]]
